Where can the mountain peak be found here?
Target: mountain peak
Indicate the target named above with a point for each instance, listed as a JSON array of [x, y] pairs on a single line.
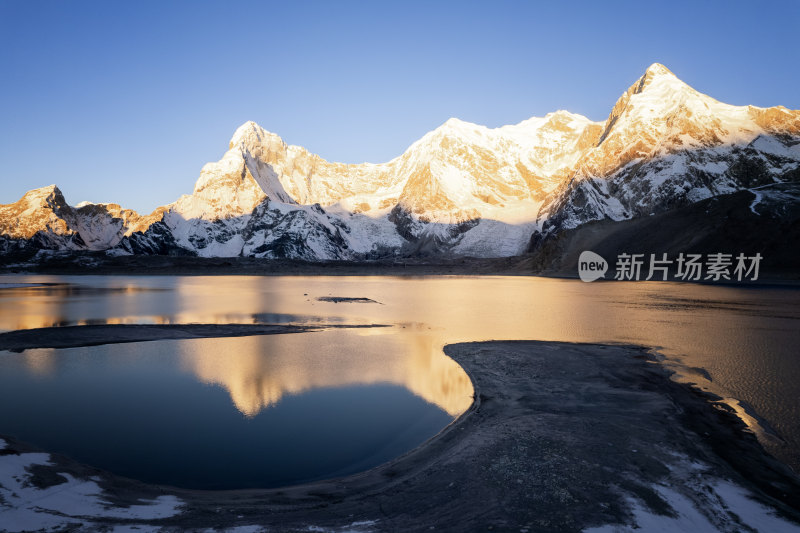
[[452, 128], [656, 74], [564, 116], [657, 69], [45, 193], [561, 113], [456, 124], [37, 209], [248, 129], [251, 134], [656, 91]]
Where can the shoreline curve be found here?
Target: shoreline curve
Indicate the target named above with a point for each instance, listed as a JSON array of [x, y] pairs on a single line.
[[560, 437]]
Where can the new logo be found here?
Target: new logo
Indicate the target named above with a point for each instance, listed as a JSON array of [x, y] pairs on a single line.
[[591, 266]]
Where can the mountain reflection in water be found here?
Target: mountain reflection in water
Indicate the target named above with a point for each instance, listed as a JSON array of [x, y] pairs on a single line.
[[259, 371]]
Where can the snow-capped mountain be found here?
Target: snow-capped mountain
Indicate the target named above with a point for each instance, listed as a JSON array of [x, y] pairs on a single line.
[[666, 145], [462, 189], [42, 219]]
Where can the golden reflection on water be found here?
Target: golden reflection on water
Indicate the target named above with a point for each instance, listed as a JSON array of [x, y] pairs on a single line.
[[259, 371], [34, 321], [41, 362]]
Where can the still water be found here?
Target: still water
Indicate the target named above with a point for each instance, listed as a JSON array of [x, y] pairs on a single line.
[[273, 410]]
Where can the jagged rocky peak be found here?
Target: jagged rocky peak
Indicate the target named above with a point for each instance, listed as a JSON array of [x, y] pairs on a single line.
[[49, 198], [246, 133], [657, 90], [39, 209], [241, 180], [660, 114], [252, 139], [654, 73], [51, 195]]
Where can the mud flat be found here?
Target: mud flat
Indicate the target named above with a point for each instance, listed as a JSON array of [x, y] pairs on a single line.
[[561, 437], [93, 335]]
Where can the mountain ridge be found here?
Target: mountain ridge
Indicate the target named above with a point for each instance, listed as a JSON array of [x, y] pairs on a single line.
[[461, 189]]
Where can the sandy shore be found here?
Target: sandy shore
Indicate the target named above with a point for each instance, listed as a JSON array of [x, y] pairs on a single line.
[[561, 437]]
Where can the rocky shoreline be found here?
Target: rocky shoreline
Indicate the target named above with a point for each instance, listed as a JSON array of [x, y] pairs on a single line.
[[94, 263], [560, 437]]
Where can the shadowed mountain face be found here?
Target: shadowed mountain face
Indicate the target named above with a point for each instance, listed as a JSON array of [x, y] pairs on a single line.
[[765, 220], [463, 189]]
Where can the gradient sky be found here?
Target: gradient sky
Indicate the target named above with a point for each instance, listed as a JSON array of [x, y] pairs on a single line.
[[125, 101]]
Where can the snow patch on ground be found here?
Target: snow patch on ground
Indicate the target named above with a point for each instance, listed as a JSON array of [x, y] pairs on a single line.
[[756, 201], [712, 167], [773, 197], [736, 512], [24, 507], [700, 503], [698, 194]]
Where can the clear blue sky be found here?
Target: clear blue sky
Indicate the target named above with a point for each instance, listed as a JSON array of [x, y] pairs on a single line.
[[124, 101]]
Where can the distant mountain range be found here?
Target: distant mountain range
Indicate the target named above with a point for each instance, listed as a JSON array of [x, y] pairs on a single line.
[[461, 190]]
